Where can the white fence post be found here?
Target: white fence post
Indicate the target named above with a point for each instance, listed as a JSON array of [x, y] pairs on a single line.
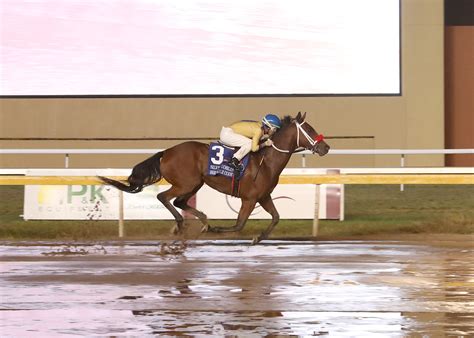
[[120, 222], [342, 203], [316, 213], [402, 164]]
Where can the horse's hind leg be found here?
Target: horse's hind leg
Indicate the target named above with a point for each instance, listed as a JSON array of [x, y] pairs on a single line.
[[165, 197], [182, 203], [267, 204]]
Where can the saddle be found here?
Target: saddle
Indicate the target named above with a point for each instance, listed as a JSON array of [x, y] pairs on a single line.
[[220, 156]]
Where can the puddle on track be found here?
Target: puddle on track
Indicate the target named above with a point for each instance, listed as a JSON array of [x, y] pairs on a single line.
[[389, 289]]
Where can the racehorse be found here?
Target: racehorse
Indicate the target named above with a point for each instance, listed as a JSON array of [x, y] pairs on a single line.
[[185, 167]]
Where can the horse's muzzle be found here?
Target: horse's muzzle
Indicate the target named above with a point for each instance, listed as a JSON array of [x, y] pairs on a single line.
[[321, 148]]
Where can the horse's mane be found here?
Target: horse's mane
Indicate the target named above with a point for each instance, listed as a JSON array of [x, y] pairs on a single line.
[[285, 121]]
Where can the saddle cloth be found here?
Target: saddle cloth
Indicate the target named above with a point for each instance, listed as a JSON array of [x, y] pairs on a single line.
[[220, 156]]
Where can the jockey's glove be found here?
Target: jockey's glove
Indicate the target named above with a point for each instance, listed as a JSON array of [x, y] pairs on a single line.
[[268, 143]]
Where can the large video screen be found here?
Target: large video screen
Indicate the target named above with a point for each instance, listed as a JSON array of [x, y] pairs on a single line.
[[199, 47]]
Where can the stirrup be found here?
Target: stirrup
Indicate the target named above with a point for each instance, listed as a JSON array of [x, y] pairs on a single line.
[[235, 165]]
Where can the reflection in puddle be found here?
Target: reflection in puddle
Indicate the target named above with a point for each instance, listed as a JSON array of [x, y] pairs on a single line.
[[81, 321], [336, 289], [272, 322], [93, 321]]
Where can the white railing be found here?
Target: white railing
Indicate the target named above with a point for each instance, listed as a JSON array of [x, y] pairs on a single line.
[[306, 152], [401, 152]]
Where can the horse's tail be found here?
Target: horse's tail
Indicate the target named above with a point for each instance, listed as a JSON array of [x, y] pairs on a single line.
[[143, 174]]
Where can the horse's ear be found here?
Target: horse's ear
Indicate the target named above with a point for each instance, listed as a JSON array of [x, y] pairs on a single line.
[[298, 117]]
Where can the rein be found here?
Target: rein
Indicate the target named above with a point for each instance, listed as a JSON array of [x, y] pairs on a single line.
[[299, 128], [280, 150], [260, 164]]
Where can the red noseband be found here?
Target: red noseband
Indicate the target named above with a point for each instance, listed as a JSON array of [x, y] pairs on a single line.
[[319, 138]]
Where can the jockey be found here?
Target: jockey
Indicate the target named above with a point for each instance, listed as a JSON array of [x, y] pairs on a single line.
[[247, 135]]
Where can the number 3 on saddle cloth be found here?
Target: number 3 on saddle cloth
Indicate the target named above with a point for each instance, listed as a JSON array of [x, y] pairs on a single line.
[[219, 159]]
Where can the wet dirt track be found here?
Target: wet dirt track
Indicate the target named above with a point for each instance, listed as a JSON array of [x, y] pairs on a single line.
[[349, 288]]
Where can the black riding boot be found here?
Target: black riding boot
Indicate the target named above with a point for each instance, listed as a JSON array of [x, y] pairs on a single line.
[[235, 164]]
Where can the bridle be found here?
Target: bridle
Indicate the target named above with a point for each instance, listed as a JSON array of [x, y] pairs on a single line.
[[299, 129]]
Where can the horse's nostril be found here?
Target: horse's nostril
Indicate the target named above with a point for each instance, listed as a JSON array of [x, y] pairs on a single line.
[[324, 150]]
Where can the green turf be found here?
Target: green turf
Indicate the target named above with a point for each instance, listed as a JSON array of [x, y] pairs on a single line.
[[370, 210]]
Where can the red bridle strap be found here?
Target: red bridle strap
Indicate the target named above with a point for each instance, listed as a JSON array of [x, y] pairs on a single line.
[[319, 138]]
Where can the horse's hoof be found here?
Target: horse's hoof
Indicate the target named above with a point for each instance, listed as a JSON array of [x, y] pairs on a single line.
[[175, 230], [256, 240], [206, 228]]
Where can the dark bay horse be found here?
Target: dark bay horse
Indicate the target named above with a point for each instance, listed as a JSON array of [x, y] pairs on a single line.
[[185, 167]]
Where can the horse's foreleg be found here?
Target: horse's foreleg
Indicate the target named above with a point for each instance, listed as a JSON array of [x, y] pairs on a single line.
[[244, 213], [267, 204]]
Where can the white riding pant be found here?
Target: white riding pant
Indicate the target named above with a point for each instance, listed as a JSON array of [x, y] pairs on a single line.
[[230, 138]]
